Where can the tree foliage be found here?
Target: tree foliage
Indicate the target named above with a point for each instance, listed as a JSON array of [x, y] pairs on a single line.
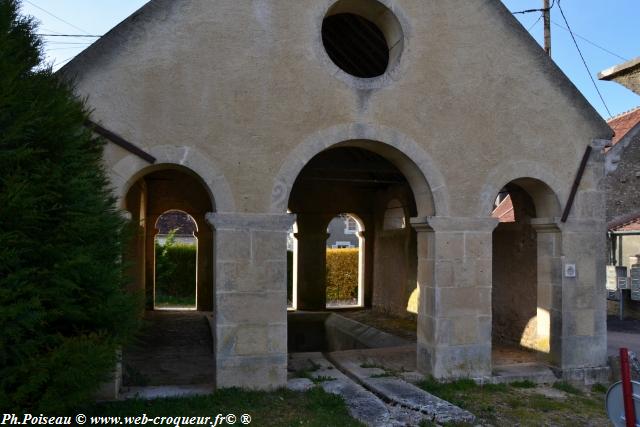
[[63, 308]]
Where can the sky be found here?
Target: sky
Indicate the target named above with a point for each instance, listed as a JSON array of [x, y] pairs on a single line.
[[611, 25]]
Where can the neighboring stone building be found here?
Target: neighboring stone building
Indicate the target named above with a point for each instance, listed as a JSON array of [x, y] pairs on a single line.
[[622, 167], [622, 162], [627, 74], [252, 114]]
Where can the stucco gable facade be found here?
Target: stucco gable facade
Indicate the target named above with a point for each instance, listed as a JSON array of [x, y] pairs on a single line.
[[243, 96]]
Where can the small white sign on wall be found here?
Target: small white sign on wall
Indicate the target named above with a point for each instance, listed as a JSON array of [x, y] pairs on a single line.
[[569, 270]]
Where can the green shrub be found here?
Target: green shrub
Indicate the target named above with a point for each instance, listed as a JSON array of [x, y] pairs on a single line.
[[64, 310], [176, 272], [342, 274]]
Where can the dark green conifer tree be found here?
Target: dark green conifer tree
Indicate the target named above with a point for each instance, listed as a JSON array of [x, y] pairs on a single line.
[[63, 307]]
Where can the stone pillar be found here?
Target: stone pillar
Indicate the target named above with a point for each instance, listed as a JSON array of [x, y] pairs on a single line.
[[311, 261], [368, 257], [549, 290], [110, 389], [454, 280], [204, 277], [250, 299], [150, 261], [584, 326], [362, 257]]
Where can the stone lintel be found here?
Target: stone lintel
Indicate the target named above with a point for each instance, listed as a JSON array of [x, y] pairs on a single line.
[[454, 224], [321, 235], [125, 214], [250, 221], [546, 225]]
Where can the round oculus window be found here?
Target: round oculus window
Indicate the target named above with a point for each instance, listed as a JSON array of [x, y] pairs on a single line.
[[362, 37]]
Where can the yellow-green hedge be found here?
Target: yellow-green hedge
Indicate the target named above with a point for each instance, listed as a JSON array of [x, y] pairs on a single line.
[[342, 274]]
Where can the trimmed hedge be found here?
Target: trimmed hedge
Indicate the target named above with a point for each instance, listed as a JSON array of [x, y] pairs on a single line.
[[342, 274], [176, 273]]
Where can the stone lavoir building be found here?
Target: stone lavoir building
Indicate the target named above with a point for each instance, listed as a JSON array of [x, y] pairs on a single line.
[[413, 115]]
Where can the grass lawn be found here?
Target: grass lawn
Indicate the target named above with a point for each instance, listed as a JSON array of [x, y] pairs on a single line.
[[524, 403], [279, 408]]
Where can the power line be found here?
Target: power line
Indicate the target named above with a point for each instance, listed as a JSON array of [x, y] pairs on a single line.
[[590, 42], [64, 48], [64, 61], [69, 44], [546, 9], [583, 60], [69, 35], [535, 23], [57, 17]]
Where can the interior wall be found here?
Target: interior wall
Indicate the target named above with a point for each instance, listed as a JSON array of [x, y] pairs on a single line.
[[395, 257], [357, 181], [514, 294]]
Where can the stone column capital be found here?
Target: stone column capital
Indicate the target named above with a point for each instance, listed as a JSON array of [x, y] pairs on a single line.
[[454, 224], [125, 214], [545, 225], [250, 221], [323, 235]]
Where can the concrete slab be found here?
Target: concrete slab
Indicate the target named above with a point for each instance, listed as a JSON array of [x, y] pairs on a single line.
[[535, 372], [157, 392], [300, 384], [362, 404], [400, 359], [412, 397], [383, 382]]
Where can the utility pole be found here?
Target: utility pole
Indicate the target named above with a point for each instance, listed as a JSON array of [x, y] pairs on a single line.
[[547, 26]]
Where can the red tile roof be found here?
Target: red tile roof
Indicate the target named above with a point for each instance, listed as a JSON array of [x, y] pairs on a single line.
[[628, 222], [504, 211], [623, 123], [630, 226]]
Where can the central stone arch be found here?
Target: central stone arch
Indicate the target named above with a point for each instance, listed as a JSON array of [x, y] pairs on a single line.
[[424, 195], [426, 181]]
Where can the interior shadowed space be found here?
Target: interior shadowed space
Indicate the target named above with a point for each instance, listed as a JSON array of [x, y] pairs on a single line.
[[351, 248]]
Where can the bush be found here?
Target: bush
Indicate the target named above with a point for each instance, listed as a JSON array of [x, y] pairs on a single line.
[[64, 310], [342, 274], [175, 272]]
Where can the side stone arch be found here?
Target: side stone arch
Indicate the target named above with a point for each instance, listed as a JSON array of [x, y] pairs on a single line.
[[425, 179], [514, 171], [129, 169]]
